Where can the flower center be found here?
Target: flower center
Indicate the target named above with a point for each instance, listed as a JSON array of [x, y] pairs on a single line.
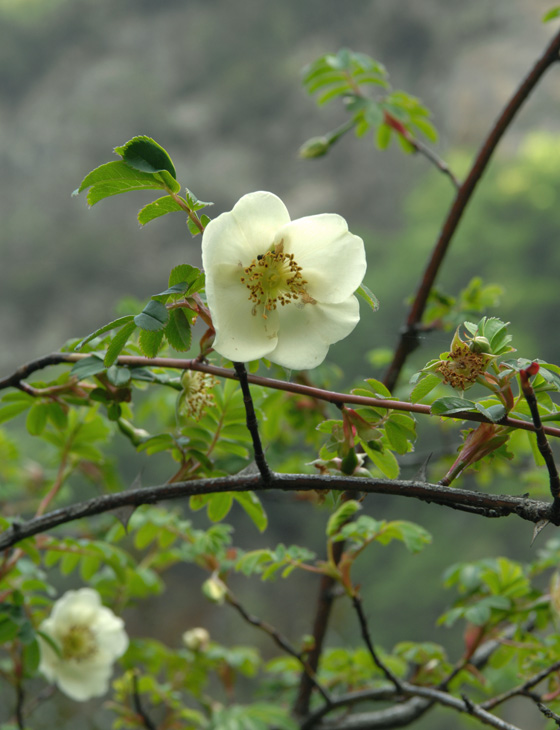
[[275, 277], [463, 368], [78, 643]]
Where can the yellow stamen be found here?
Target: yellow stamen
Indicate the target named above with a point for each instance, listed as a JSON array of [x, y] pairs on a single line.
[[275, 278]]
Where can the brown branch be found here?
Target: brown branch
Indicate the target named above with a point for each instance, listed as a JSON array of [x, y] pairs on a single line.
[[409, 335], [322, 614], [328, 396], [486, 505]]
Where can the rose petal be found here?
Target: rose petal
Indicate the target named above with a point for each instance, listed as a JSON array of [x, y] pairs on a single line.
[[240, 334], [306, 334], [240, 235], [332, 259]]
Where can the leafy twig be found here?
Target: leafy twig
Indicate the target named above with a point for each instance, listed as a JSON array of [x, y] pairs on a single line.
[[328, 396], [409, 335]]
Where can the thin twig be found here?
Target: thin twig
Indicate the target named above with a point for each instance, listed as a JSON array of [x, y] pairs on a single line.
[[357, 603], [281, 642], [521, 689], [542, 441], [409, 335], [146, 720], [252, 423], [20, 698], [548, 713]]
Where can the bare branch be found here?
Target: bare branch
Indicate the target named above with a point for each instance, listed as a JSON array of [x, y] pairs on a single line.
[[486, 505]]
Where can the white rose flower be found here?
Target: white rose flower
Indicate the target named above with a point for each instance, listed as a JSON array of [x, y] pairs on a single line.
[[278, 288], [89, 637]]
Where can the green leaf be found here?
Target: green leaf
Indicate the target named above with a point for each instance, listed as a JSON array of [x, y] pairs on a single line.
[[117, 187], [87, 367], [551, 14], [178, 330], [414, 536], [339, 518], [398, 437], [117, 172], [118, 376], [219, 505], [159, 207], [451, 404], [153, 317], [118, 343], [37, 418], [493, 413], [368, 296], [144, 154], [106, 327], [253, 507], [13, 410], [385, 461], [423, 387], [150, 342], [383, 136]]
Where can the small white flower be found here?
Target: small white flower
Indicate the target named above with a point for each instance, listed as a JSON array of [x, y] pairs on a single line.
[[278, 288], [89, 637]]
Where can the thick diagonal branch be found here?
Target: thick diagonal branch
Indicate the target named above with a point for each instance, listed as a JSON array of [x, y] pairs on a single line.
[[409, 336]]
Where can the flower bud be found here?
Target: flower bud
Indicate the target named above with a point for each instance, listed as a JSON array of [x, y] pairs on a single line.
[[215, 589], [480, 344], [196, 639], [314, 147]]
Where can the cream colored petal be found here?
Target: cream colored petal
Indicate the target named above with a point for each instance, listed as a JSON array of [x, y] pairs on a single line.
[[333, 259], [243, 233], [111, 637], [81, 681], [306, 333], [76, 606], [240, 335]]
